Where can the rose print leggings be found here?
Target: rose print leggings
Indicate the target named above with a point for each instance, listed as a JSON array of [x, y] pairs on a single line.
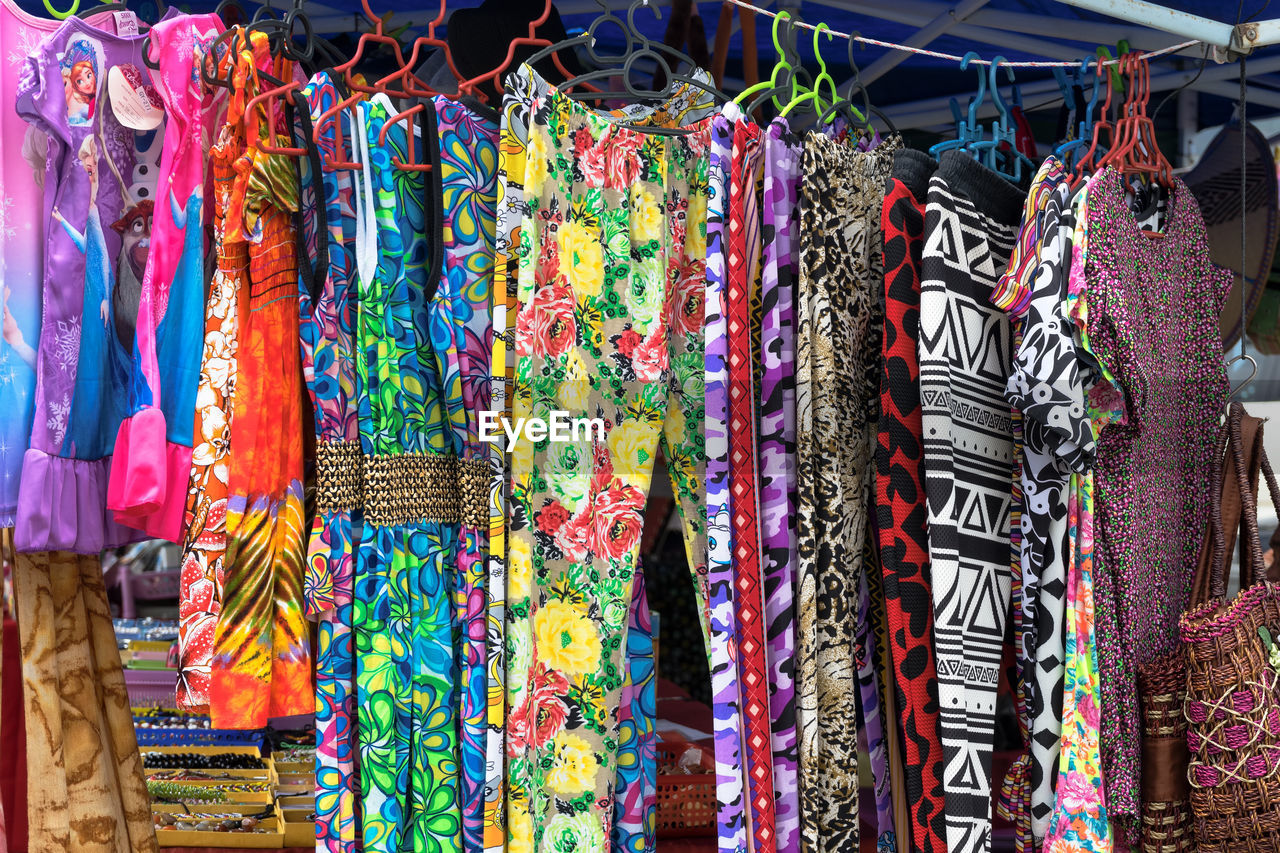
[[611, 276]]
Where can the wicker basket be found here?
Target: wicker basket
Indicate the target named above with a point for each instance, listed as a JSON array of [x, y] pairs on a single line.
[[1233, 706], [686, 801], [1167, 825]]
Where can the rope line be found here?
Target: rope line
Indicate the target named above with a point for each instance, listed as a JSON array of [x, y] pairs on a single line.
[[920, 51]]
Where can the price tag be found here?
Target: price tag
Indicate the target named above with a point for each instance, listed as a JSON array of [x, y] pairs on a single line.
[[133, 100]]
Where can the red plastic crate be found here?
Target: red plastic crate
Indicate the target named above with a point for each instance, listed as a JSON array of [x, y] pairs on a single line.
[[686, 801]]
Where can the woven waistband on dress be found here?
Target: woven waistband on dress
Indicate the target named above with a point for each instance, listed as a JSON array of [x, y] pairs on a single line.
[[339, 476], [400, 488], [473, 479]]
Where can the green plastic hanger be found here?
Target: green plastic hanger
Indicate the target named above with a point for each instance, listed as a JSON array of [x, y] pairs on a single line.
[[1117, 82], [781, 66], [61, 16], [824, 76]]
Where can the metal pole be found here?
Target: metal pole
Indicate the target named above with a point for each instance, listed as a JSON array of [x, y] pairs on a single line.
[[1161, 18], [930, 31], [1258, 34]]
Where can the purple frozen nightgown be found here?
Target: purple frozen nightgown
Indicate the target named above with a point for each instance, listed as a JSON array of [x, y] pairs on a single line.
[[98, 189]]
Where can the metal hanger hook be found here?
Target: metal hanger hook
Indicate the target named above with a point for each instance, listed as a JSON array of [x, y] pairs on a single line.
[[1248, 379]]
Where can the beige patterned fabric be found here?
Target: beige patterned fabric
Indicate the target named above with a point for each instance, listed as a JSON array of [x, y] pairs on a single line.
[[91, 796]]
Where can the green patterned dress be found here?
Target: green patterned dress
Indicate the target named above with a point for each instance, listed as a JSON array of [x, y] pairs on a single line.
[[404, 618]]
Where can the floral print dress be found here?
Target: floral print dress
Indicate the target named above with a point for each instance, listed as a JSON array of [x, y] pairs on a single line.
[[465, 171], [610, 294], [262, 647], [328, 359], [404, 615]]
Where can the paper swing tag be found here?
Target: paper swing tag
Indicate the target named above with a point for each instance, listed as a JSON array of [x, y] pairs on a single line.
[[135, 103]]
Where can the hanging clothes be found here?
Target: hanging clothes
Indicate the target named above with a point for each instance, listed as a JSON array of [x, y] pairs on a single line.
[[81, 747], [1153, 471], [328, 358], [636, 784], [92, 280], [777, 429], [838, 351], [22, 242], [903, 536], [261, 665], [1035, 574], [404, 615], [522, 92], [743, 256], [965, 350], [465, 173], [204, 546], [1080, 804], [1058, 441], [569, 588], [147, 489], [726, 693]]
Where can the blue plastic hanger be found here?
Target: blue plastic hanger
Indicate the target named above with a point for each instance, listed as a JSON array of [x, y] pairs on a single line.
[[967, 131], [1003, 130], [1084, 133]]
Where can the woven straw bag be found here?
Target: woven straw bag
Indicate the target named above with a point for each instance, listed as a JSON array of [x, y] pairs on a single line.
[[1233, 704], [1168, 825]]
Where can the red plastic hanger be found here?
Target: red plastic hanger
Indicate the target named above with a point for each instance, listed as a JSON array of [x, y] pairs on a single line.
[[405, 76], [412, 165], [1085, 164]]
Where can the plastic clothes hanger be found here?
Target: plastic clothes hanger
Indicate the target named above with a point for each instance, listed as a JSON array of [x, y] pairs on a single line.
[[366, 39], [358, 89], [1003, 133], [638, 47], [1087, 164], [814, 96], [266, 102], [412, 164], [1085, 126], [1136, 151], [409, 80], [278, 30], [861, 118], [967, 131], [223, 53], [788, 78], [781, 64]]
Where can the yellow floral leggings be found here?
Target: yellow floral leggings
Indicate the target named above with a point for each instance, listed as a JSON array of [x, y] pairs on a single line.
[[609, 327]]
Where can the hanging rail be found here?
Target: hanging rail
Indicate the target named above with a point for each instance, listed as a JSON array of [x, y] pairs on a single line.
[[1151, 54]]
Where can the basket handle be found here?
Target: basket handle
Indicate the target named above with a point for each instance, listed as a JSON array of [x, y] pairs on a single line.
[[1244, 437], [1226, 499], [1213, 544]]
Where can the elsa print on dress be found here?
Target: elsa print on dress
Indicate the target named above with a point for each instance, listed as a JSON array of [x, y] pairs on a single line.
[[80, 64], [110, 314]]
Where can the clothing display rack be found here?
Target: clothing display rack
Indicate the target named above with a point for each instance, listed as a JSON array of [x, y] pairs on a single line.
[[441, 345]]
